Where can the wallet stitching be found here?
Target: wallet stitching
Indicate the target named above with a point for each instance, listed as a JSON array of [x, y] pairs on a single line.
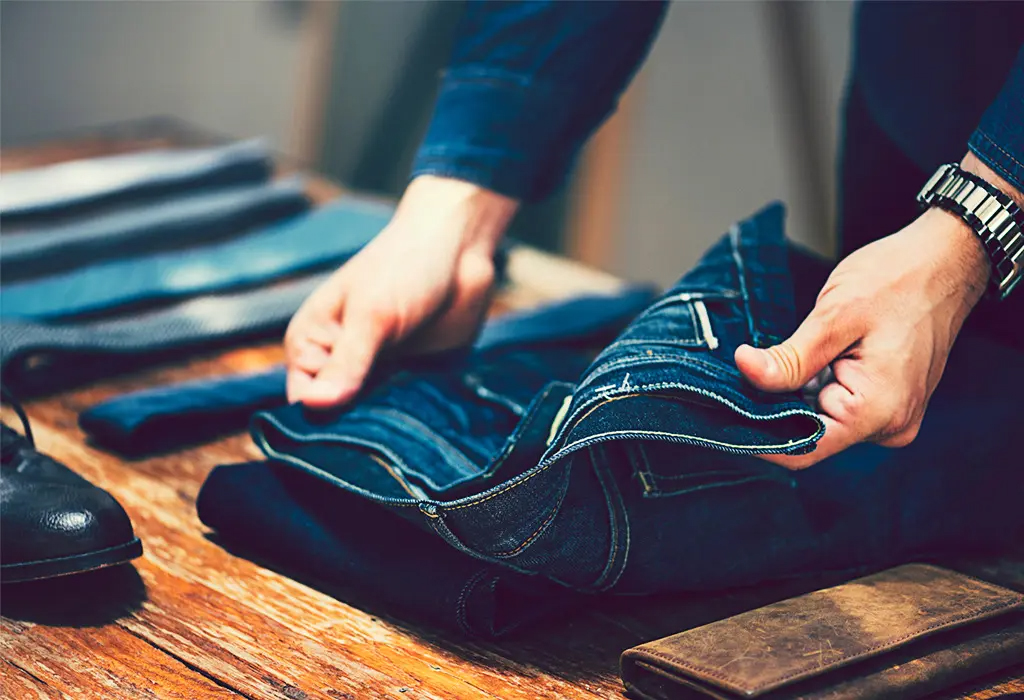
[[845, 661]]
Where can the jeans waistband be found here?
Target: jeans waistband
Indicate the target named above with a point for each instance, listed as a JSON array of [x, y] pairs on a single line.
[[670, 375]]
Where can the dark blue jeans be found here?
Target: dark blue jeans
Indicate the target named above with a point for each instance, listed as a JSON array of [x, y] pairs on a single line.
[[285, 519], [634, 474]]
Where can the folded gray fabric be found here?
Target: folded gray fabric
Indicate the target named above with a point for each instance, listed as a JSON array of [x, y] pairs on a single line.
[[172, 222], [40, 357], [38, 193]]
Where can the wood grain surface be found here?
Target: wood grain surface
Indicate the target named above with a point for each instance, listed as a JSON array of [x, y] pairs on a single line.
[[190, 620]]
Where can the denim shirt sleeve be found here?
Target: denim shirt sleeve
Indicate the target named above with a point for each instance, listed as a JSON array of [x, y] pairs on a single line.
[[999, 138], [527, 84]]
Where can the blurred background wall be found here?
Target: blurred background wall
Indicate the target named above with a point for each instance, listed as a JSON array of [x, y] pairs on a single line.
[[67, 64], [737, 105]]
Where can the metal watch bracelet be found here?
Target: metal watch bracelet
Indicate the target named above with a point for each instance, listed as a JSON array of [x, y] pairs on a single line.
[[990, 212]]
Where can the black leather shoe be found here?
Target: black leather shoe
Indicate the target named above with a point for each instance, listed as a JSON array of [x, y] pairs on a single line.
[[52, 521]]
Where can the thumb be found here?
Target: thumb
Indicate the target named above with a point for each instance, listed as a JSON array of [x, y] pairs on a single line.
[[789, 365], [355, 348]]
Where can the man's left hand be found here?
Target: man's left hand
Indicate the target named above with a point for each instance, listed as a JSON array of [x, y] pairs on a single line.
[[885, 322]]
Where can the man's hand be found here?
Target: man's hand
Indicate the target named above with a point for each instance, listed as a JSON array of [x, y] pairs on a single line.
[[423, 282], [885, 322]]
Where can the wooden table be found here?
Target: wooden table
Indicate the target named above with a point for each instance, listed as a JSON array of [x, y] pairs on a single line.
[[189, 620]]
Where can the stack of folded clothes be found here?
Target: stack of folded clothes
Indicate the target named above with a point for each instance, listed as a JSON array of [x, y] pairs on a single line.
[[149, 254], [141, 257], [602, 446]]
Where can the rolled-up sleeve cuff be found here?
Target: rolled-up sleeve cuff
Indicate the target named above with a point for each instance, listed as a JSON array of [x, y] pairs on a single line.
[[999, 138], [499, 130]]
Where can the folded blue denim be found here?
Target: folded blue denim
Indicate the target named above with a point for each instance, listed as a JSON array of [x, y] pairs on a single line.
[[34, 195], [263, 509], [174, 222], [957, 488], [39, 357], [640, 477], [177, 415], [325, 236]]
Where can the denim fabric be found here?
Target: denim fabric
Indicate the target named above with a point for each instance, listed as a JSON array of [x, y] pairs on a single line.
[[934, 104], [634, 474], [528, 82], [326, 236], [177, 415], [283, 517], [38, 194], [175, 222], [956, 489], [503, 456], [874, 202], [999, 138], [37, 357], [526, 85]]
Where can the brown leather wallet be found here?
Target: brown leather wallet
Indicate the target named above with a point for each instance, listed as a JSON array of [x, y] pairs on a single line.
[[902, 633]]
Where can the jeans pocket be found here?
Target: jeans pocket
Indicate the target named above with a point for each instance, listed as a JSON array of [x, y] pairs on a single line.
[[501, 521], [666, 469]]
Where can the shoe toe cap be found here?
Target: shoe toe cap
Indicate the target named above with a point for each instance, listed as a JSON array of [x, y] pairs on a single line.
[[50, 521]]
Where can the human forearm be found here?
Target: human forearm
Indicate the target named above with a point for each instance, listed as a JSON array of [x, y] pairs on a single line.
[[478, 217], [527, 84]]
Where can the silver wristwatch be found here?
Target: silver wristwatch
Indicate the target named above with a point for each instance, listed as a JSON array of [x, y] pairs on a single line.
[[990, 212]]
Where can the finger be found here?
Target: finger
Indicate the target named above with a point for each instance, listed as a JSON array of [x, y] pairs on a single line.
[[297, 384], [308, 331], [809, 391], [844, 425], [791, 364], [837, 438], [306, 355], [869, 410], [310, 357], [354, 350], [322, 335]]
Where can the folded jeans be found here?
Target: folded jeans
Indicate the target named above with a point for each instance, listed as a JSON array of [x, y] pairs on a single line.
[[635, 473], [39, 357], [175, 222], [325, 236], [40, 194]]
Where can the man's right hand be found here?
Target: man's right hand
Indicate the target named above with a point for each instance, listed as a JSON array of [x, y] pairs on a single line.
[[422, 285]]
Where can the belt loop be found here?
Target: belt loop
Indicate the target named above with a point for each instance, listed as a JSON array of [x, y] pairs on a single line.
[[429, 509]]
